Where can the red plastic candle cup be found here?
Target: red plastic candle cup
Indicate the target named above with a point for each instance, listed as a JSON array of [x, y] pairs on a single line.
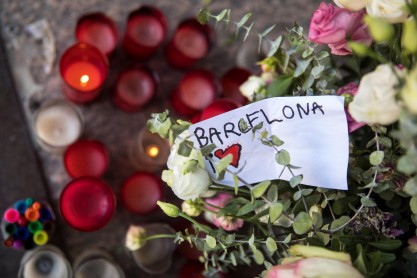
[[87, 204], [135, 87], [231, 82], [84, 69], [146, 30], [191, 42], [196, 90], [86, 158], [98, 30], [218, 107], [141, 191]]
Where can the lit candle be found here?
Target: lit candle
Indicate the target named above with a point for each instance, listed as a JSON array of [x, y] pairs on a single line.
[[98, 30], [196, 90], [190, 43], [148, 151], [231, 82], [84, 69], [57, 124], [135, 87], [145, 32]]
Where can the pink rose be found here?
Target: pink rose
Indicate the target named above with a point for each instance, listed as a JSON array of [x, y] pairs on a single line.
[[329, 24], [228, 223], [350, 89]]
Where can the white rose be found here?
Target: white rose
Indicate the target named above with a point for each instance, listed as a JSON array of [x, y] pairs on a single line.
[[174, 157], [394, 11], [351, 5], [375, 101], [409, 91], [190, 185], [251, 86]]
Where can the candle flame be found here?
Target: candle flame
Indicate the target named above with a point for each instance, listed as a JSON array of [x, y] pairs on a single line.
[[84, 80], [152, 151]]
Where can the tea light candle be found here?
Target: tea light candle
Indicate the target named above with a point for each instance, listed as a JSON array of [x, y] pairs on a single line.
[[148, 151], [231, 82], [86, 158], [146, 30], [84, 69], [218, 107], [135, 87], [196, 90], [98, 30], [141, 191], [57, 124], [191, 42]]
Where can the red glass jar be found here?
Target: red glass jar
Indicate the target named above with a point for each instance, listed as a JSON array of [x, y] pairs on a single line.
[[190, 43], [87, 204], [86, 158], [196, 90], [141, 191], [84, 69], [98, 30], [146, 30], [231, 82], [218, 107], [135, 87]]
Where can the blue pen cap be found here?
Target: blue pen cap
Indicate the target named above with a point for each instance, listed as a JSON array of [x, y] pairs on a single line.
[[22, 233], [21, 206]]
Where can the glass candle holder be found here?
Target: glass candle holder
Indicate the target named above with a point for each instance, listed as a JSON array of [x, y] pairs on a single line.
[[87, 204], [84, 69], [195, 91], [218, 107], [141, 191], [155, 257], [56, 125], [98, 30], [231, 82], [96, 262], [45, 261], [86, 158], [148, 151], [135, 87], [190, 43], [146, 30]]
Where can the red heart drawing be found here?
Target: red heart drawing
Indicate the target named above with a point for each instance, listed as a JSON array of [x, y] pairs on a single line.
[[234, 149]]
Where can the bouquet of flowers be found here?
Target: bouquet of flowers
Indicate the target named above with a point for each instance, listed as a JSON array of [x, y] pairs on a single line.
[[364, 50]]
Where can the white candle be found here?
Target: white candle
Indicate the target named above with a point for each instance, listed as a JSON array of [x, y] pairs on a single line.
[[58, 124]]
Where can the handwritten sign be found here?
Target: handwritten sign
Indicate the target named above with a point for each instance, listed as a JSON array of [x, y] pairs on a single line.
[[314, 131]]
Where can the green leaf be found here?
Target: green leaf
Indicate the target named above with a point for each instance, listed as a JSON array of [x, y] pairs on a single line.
[[275, 211], [408, 162], [251, 240], [389, 244], [271, 245], [280, 86], [410, 186], [184, 148], [296, 180], [243, 126], [257, 127], [206, 150], [268, 265], [245, 209], [283, 157], [385, 258], [243, 20], [247, 29], [302, 223], [287, 238], [190, 166], [339, 222], [387, 142], [272, 194], [376, 158], [202, 16], [233, 259], [211, 241], [223, 164], [222, 14], [259, 257], [260, 188], [266, 31], [276, 141], [275, 46], [322, 55], [368, 202], [236, 183], [359, 262], [297, 195], [413, 204], [301, 66]]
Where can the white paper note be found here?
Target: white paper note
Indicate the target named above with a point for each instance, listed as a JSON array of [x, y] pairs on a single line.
[[314, 131]]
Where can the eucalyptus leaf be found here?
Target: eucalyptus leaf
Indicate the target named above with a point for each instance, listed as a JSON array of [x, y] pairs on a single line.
[[245, 209], [368, 202], [190, 166], [413, 204], [260, 188], [271, 245], [223, 164], [376, 158], [302, 223], [287, 238], [275, 46], [301, 66], [259, 257], [276, 141], [283, 157], [410, 186], [389, 244], [296, 180], [280, 86], [185, 148], [211, 241], [275, 211], [236, 183], [272, 194], [206, 150], [243, 20]]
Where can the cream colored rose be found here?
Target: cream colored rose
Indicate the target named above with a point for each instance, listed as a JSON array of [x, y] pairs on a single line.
[[351, 5], [135, 237], [394, 11], [190, 185], [375, 101], [409, 91], [251, 86]]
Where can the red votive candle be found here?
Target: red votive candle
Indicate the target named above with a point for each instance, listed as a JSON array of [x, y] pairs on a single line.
[[86, 158], [135, 87], [87, 204], [146, 30], [231, 82], [141, 191], [218, 107], [196, 90], [191, 42], [98, 30], [84, 69]]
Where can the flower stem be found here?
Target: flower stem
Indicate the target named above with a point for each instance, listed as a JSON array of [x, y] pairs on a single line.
[[201, 227], [159, 236]]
